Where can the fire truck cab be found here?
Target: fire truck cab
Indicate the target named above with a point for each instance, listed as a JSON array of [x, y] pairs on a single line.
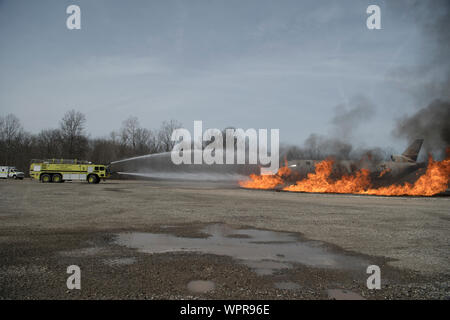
[[60, 170]]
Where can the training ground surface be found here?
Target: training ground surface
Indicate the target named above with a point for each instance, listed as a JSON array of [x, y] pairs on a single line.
[[46, 227]]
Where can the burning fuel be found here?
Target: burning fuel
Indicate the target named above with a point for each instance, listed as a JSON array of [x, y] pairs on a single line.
[[267, 181], [435, 180]]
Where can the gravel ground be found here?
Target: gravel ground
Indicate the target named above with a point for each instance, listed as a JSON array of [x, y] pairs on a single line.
[[46, 227]]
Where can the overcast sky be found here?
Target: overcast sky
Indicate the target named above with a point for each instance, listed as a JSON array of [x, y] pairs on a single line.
[[247, 63]]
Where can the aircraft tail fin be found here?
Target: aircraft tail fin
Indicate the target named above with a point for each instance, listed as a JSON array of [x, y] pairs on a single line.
[[413, 150]]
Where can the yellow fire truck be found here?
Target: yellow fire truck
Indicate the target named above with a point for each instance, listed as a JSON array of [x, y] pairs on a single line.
[[60, 170]]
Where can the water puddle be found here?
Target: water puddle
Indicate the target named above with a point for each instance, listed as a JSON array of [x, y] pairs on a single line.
[[341, 294], [266, 267], [263, 251], [201, 286]]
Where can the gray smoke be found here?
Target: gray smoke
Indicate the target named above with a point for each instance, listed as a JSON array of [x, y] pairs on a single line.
[[432, 73], [346, 120], [436, 28], [348, 117], [431, 123]]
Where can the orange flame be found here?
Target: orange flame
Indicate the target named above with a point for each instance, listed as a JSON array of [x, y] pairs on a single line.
[[320, 181], [268, 181], [382, 173], [435, 180]]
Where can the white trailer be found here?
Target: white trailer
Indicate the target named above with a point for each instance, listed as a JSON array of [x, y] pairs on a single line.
[[4, 172]]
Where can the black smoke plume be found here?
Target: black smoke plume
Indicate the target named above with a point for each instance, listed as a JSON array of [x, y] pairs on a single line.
[[431, 123]]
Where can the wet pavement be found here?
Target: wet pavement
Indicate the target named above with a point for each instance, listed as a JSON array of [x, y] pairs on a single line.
[[340, 294], [209, 261], [200, 286], [150, 240]]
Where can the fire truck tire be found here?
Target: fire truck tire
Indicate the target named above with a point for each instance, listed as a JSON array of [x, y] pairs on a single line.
[[57, 178], [46, 178], [92, 178]]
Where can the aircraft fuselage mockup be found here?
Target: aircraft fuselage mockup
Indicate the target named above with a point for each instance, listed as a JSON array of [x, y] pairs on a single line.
[[398, 165]]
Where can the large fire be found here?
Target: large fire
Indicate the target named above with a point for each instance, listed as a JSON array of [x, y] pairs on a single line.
[[267, 181], [435, 180]]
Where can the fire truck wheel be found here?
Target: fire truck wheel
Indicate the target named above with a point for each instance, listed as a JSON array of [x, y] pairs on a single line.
[[46, 178], [57, 178], [92, 178]]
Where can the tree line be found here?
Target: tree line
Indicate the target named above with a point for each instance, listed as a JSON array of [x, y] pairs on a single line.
[[71, 141]]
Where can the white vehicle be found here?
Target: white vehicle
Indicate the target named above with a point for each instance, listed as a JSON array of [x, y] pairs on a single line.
[[10, 172]]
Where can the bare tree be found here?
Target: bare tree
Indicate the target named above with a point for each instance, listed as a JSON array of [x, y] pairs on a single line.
[[49, 143], [103, 150], [70, 140], [154, 142], [74, 140], [10, 132], [10, 127], [143, 141], [135, 139], [165, 135], [129, 132]]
